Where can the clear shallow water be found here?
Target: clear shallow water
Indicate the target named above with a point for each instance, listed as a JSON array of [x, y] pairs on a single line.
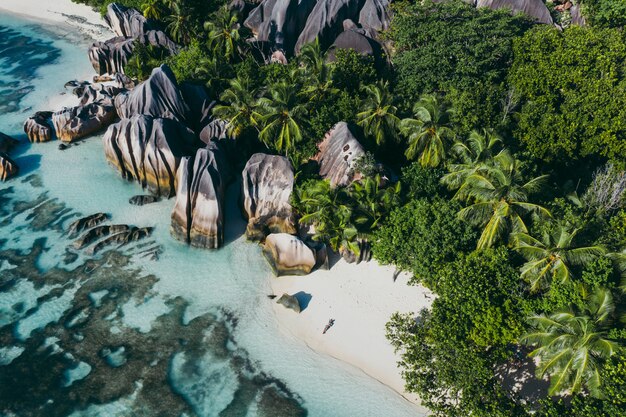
[[118, 333]]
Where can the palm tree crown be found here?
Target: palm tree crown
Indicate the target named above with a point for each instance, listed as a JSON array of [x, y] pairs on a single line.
[[239, 109], [499, 196], [571, 345], [224, 33], [378, 114], [470, 154], [550, 258], [282, 117], [428, 131]]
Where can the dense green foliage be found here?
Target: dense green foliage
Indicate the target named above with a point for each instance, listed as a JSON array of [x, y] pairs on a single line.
[[511, 204], [572, 85], [478, 52]]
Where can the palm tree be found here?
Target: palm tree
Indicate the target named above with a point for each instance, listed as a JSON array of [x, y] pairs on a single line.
[[378, 114], [151, 9], [239, 109], [428, 131], [571, 345], [178, 23], [224, 33], [327, 209], [282, 117], [373, 201], [550, 258], [316, 74], [471, 154], [499, 199]]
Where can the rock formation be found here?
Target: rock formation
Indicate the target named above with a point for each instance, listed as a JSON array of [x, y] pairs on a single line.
[[290, 302], [200, 105], [8, 168], [198, 214], [325, 22], [75, 123], [337, 154], [99, 232], [149, 150], [375, 16], [288, 255], [125, 237], [126, 21], [85, 223], [6, 143], [158, 96], [142, 200], [37, 127], [533, 8], [356, 40], [266, 190]]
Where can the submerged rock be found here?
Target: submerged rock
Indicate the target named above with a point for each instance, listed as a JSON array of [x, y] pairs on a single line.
[[149, 150], [78, 122], [267, 186], [8, 168], [37, 127], [99, 232], [120, 239], [337, 154], [198, 214], [142, 200], [533, 8], [290, 302], [288, 255], [85, 223]]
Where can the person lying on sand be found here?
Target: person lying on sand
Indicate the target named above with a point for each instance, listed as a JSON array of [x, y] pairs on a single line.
[[329, 325]]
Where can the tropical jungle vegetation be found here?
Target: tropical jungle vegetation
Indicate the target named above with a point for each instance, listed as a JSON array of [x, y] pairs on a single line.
[[508, 139]]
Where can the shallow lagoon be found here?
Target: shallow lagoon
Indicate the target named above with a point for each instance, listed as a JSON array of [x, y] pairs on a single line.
[[118, 332]]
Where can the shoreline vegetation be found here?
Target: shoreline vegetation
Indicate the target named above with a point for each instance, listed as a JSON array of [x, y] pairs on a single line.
[[478, 150]]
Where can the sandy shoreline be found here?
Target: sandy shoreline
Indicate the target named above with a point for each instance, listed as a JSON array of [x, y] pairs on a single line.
[[361, 299], [63, 14]]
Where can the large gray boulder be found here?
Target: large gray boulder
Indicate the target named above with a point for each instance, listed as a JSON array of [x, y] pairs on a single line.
[[337, 155], [74, 123], [110, 56], [375, 16], [266, 190], [37, 127], [149, 150], [288, 255], [325, 22], [279, 22], [533, 8], [126, 21], [198, 214], [200, 105], [159, 96], [355, 40], [8, 168]]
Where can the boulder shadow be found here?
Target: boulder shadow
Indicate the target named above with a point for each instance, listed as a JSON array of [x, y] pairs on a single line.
[[303, 299], [27, 164]]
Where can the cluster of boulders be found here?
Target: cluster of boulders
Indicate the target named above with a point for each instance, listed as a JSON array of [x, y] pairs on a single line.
[[130, 28]]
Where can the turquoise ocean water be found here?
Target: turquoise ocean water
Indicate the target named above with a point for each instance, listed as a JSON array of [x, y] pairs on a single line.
[[119, 333]]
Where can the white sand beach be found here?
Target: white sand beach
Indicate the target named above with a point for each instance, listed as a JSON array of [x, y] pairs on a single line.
[[77, 17], [361, 299]]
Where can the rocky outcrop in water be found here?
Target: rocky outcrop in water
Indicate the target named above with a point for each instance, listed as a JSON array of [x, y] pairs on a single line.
[[6, 143], [132, 234], [71, 124], [266, 189], [149, 150], [288, 255], [142, 200], [85, 223], [37, 127], [8, 168], [533, 8], [158, 96], [198, 214], [99, 232], [337, 154]]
